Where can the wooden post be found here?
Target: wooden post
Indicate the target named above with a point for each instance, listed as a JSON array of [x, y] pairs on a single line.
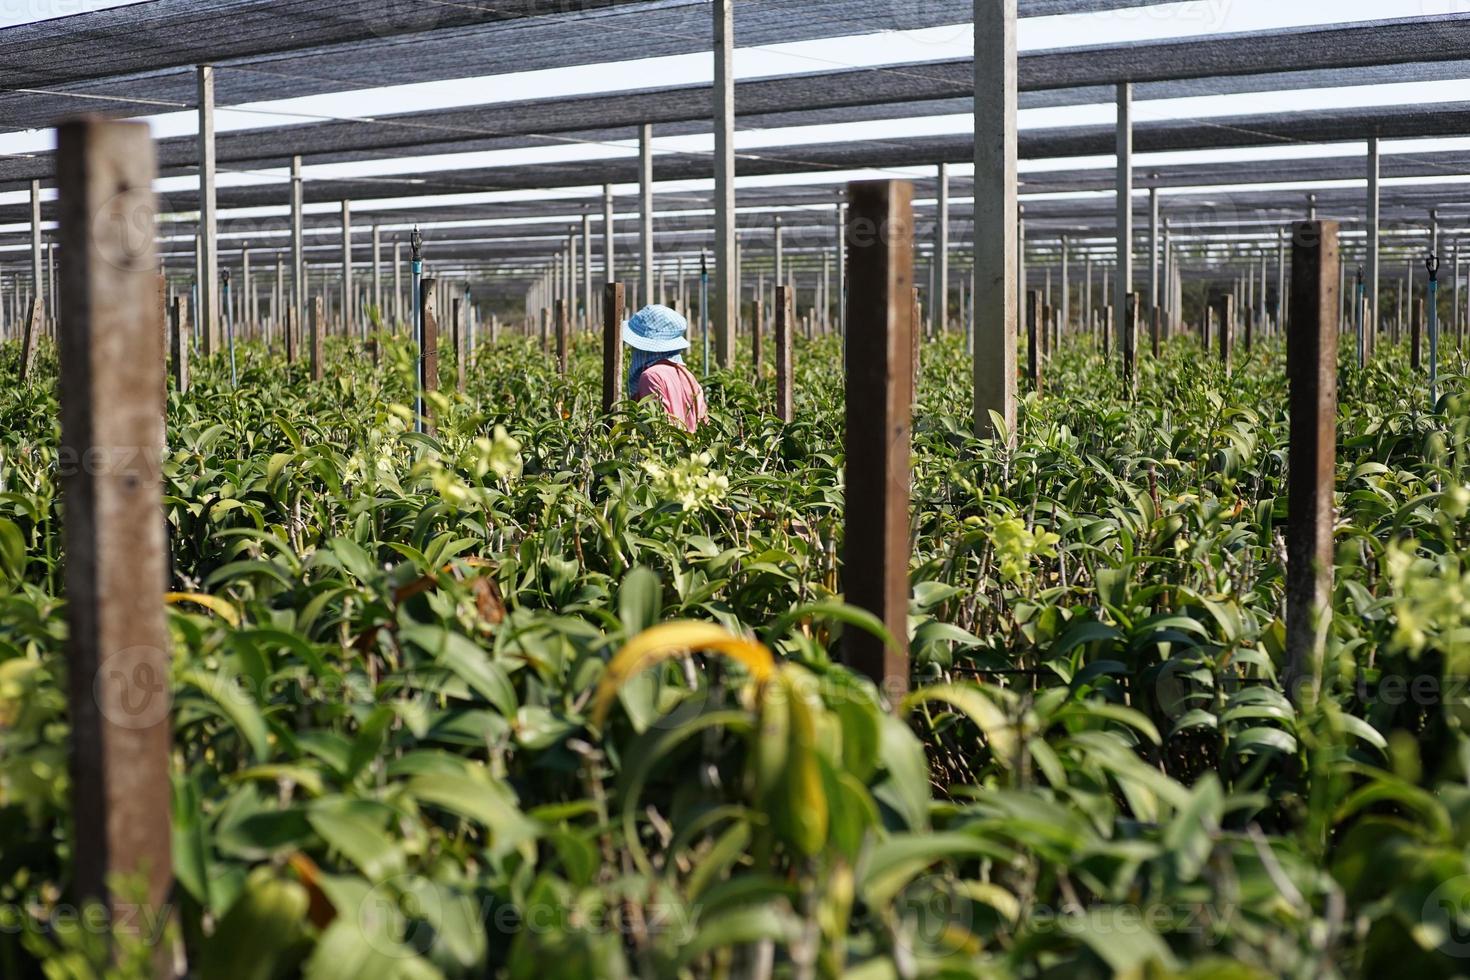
[[112, 406], [32, 335], [562, 337], [1044, 330], [1132, 308], [784, 315], [545, 329], [1416, 336], [1107, 331], [881, 324], [757, 330], [1156, 330], [1311, 370], [318, 328], [612, 346], [1033, 341], [179, 343]]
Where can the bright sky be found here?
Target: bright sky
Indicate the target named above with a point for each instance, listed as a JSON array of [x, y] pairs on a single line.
[[1173, 20]]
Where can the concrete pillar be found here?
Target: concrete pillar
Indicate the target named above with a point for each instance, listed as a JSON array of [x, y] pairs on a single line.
[[645, 210], [726, 287], [209, 314], [348, 313], [609, 263], [378, 270], [940, 300], [298, 262], [1124, 284]]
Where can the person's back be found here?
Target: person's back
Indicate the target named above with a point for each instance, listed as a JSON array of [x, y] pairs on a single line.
[[675, 386]]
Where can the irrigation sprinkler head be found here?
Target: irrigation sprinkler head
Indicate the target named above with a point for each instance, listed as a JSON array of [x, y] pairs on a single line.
[[703, 268], [1432, 264], [416, 241], [224, 276]]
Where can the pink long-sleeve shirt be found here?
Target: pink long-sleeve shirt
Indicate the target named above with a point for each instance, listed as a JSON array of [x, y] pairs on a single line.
[[675, 386]]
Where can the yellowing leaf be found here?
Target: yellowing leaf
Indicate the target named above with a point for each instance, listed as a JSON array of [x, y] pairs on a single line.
[[214, 604], [673, 640], [980, 709]]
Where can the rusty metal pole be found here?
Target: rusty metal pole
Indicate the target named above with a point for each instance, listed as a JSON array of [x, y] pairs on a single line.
[[1311, 370], [612, 346], [880, 238], [112, 407], [785, 311]]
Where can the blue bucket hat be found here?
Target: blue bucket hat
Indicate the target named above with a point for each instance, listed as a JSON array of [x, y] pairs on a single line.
[[656, 329]]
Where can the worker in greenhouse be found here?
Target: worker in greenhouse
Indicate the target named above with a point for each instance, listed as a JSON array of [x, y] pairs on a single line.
[[657, 335]]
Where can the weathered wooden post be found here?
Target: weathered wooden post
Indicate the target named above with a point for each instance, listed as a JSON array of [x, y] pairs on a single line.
[[1132, 308], [612, 346], [179, 343], [545, 329], [784, 313], [1107, 332], [881, 325], [1416, 335], [29, 340], [318, 329], [1155, 330], [112, 406], [1311, 370], [1033, 341], [563, 338]]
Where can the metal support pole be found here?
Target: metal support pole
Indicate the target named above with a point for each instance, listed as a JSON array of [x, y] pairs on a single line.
[[1153, 246], [609, 263], [587, 310], [842, 268], [209, 313], [997, 233], [727, 311], [1431, 264], [939, 301], [1066, 299], [348, 313], [1124, 284], [378, 272], [645, 212]]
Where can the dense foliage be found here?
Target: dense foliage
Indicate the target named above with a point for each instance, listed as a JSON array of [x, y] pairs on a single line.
[[407, 746]]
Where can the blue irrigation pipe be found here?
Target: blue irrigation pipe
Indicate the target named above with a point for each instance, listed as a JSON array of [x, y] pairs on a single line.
[[417, 243], [1432, 264], [704, 309]]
